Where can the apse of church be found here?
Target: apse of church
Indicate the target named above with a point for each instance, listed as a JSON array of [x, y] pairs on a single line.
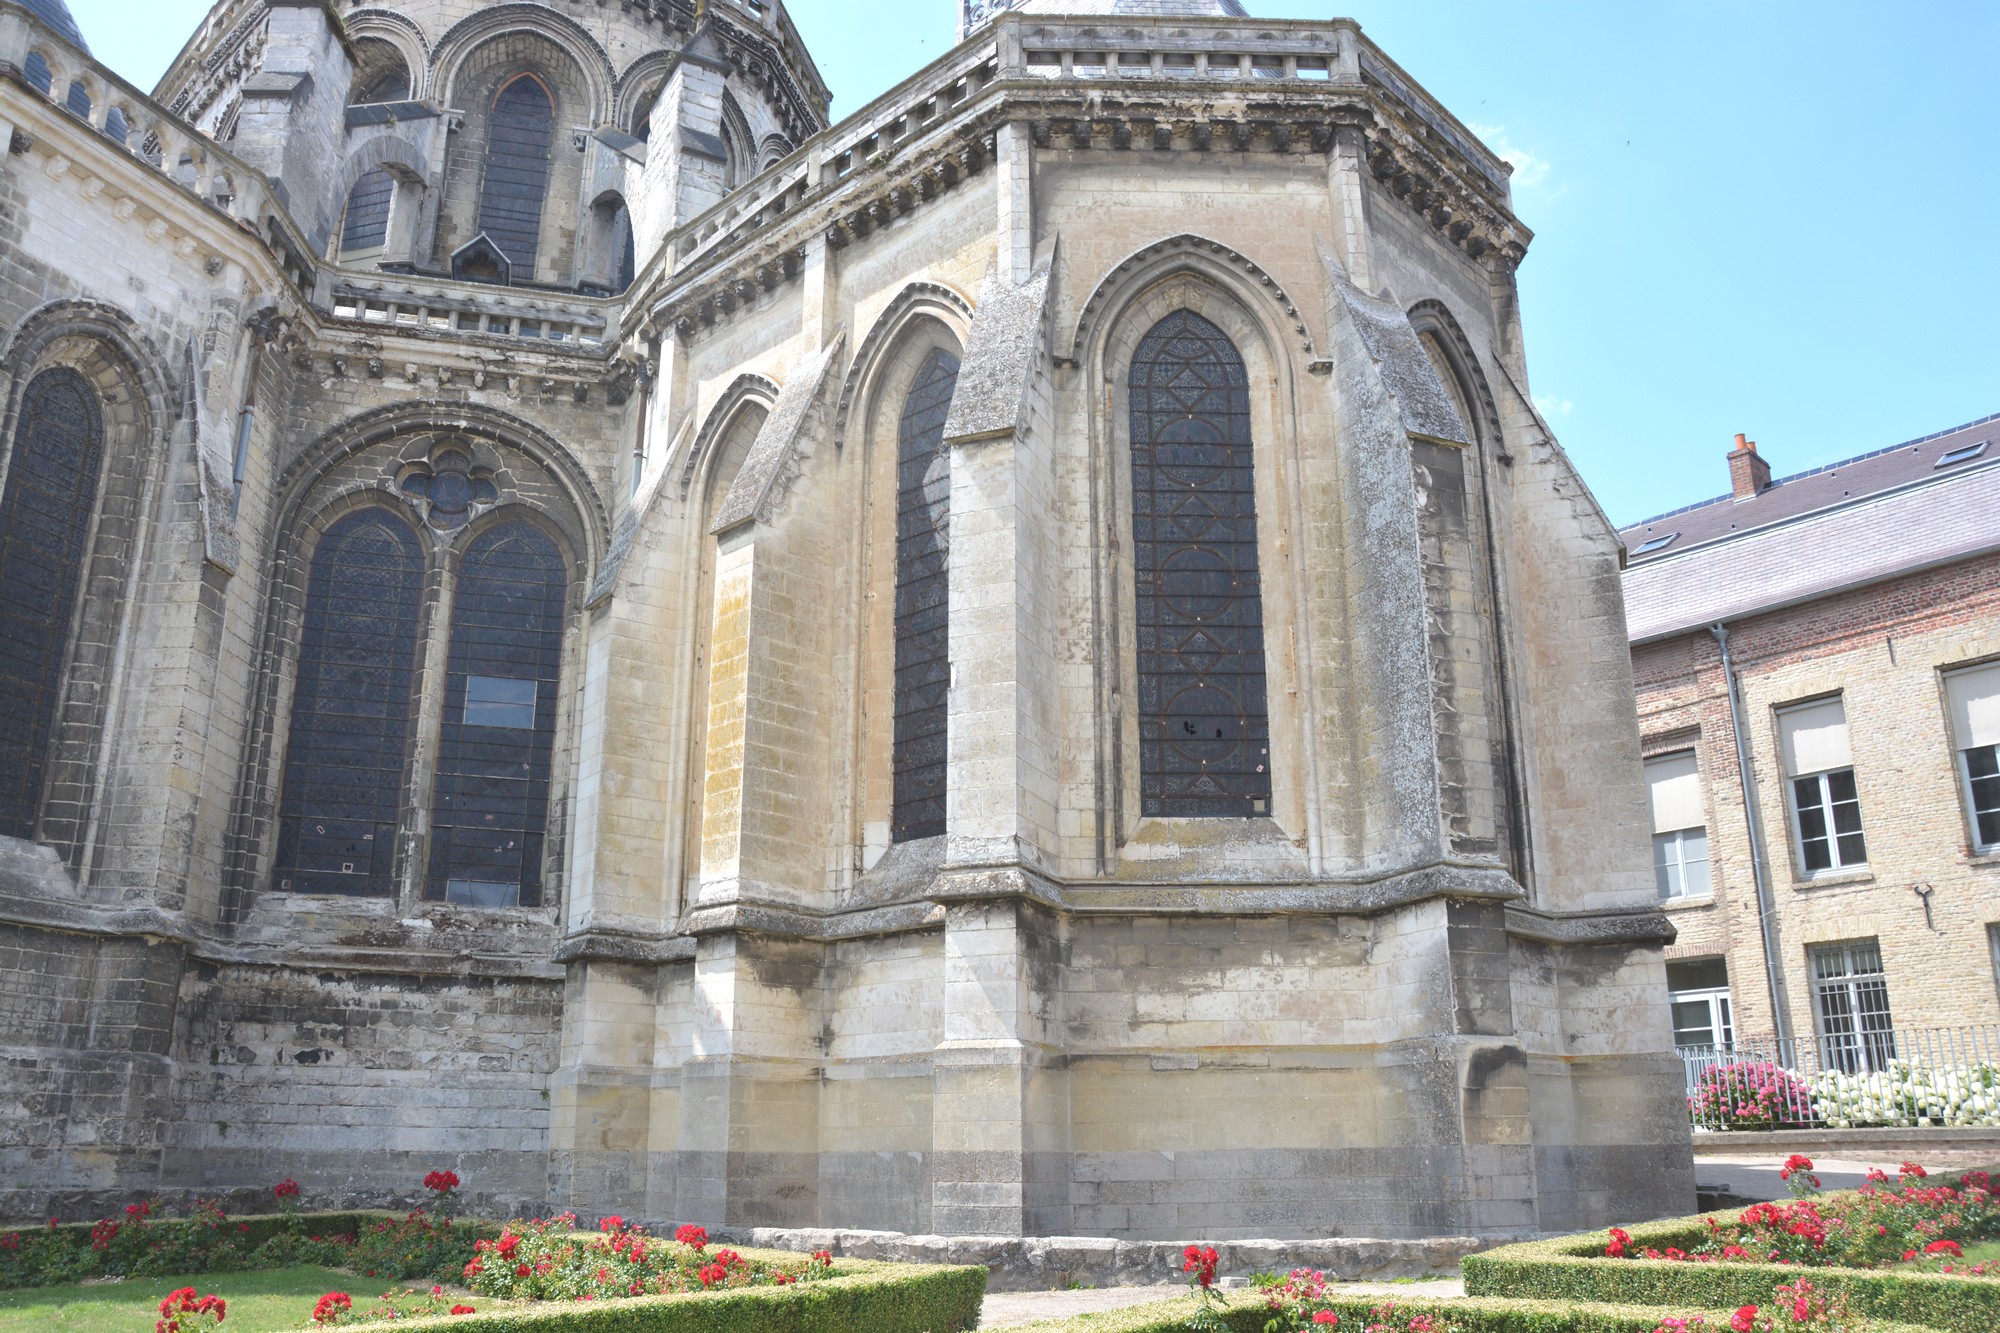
[[1020, 664]]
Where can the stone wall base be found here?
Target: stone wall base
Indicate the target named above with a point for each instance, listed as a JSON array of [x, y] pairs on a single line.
[[1049, 1263]]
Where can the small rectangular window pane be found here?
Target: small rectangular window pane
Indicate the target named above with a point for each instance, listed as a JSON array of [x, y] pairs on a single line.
[[1829, 821], [493, 701], [481, 893], [1694, 1023], [1982, 772], [1698, 974]]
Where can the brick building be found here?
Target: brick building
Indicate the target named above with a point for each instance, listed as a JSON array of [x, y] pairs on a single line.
[[1019, 664], [1827, 836]]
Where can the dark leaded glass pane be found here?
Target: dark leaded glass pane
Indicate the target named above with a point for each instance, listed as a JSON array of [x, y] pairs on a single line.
[[517, 172], [344, 763], [490, 812], [1204, 726], [923, 601], [367, 223], [44, 525]]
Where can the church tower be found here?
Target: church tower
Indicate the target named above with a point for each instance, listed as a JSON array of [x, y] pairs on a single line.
[[1021, 664]]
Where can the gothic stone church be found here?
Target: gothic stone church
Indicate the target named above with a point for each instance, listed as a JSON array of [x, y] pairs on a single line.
[[1019, 664]]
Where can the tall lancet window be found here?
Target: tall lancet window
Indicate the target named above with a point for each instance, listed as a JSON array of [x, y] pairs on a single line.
[[923, 596], [490, 813], [344, 763], [1204, 721], [517, 172], [44, 525]]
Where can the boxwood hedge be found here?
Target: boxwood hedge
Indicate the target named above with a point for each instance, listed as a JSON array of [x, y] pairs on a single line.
[[1247, 1314], [1573, 1268], [867, 1297]]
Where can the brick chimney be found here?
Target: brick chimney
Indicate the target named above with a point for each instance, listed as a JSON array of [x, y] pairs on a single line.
[[1749, 474]]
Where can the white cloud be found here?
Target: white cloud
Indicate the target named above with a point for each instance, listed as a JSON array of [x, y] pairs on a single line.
[[1530, 171], [1551, 406]]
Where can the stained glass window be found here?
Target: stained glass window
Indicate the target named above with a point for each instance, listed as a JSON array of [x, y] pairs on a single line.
[[344, 763], [366, 226], [517, 172], [1204, 724], [923, 594], [489, 813], [44, 525]]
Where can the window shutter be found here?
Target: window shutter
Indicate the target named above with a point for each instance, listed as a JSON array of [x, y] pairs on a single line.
[[1675, 781], [1975, 706], [1815, 738]]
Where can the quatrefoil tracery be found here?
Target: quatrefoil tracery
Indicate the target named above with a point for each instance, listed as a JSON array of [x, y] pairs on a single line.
[[448, 488]]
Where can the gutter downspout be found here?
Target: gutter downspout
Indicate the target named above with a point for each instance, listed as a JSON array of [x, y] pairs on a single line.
[[1760, 866]]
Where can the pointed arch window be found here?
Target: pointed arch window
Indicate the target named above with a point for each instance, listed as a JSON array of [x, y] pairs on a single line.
[[489, 812], [344, 764], [365, 228], [1204, 719], [923, 595], [45, 514], [517, 171]]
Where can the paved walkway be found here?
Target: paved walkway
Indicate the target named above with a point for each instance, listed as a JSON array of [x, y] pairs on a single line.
[[1011, 1309], [1755, 1175]]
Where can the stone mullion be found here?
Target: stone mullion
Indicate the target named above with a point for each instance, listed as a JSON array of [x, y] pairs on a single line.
[[427, 694]]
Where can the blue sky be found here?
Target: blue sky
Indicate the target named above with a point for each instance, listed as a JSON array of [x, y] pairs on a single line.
[[1778, 218]]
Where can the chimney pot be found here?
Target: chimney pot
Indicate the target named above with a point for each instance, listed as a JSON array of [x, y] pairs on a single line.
[[1749, 474]]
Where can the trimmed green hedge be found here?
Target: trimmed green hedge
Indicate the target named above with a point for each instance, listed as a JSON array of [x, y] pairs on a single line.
[[1573, 1268], [1247, 1314], [867, 1297], [263, 1226]]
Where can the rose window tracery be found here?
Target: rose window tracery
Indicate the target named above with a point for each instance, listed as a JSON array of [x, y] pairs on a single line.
[[447, 489]]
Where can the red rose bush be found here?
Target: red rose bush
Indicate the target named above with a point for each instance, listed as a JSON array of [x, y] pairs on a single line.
[[547, 1259]]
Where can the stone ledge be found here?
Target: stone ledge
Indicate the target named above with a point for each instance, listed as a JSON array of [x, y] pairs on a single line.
[[1962, 1138], [1045, 1263]]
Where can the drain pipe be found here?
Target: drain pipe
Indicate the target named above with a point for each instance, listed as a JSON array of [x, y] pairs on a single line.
[[1760, 866]]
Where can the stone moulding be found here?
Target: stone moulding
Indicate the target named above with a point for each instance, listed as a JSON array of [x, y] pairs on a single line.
[[1186, 243], [891, 322]]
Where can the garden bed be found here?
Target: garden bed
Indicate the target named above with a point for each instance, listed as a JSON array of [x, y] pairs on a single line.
[[1611, 1266]]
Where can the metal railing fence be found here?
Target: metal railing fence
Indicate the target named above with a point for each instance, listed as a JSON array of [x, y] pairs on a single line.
[[1856, 1078]]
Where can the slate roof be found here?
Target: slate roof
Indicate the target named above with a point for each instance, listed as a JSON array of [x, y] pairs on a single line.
[[56, 14], [1842, 526], [1139, 8]]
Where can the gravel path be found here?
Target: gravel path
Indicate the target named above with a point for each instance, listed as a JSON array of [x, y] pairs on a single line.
[[1011, 1309]]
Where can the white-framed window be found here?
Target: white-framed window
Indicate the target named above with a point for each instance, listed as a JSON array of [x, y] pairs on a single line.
[[1975, 727], [1680, 837], [1698, 989], [1851, 1003], [1819, 771]]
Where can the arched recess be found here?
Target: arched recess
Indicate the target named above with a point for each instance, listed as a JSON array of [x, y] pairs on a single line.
[[639, 90], [1229, 293], [610, 258], [99, 350], [387, 174], [539, 185], [713, 462], [740, 166], [1468, 531], [903, 382], [401, 36], [775, 149], [914, 303], [381, 73], [451, 485]]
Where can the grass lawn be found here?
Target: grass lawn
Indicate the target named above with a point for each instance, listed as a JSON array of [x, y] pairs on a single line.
[[1987, 1252], [261, 1302]]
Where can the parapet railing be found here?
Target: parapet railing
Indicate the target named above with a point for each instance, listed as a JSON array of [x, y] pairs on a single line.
[[1860, 1073], [421, 306]]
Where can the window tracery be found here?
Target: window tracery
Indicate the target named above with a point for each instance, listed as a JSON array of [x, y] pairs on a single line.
[[45, 517], [1204, 720]]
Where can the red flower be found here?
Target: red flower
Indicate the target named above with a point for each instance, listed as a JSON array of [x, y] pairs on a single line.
[[507, 1244], [442, 1182], [1795, 1163], [612, 1226], [1744, 1320], [1950, 1247], [824, 1258], [694, 1237], [1911, 1171], [522, 1271], [1327, 1317], [463, 1309], [1200, 1262], [332, 1307], [286, 1189], [1621, 1244]]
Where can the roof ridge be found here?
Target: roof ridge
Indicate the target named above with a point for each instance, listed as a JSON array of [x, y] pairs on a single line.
[[1817, 471]]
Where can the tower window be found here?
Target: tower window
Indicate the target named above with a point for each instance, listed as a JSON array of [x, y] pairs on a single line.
[[517, 171], [1204, 722], [365, 229]]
